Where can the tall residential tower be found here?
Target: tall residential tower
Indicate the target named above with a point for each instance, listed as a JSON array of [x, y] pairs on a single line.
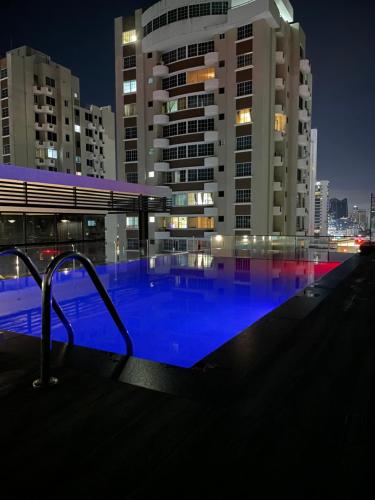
[[214, 100], [43, 124]]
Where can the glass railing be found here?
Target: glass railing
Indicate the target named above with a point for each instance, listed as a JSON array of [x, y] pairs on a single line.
[[310, 248], [315, 249]]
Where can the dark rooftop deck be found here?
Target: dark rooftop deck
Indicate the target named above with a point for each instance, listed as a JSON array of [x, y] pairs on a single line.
[[291, 414]]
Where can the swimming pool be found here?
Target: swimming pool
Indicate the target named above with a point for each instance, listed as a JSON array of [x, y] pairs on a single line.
[[176, 308]]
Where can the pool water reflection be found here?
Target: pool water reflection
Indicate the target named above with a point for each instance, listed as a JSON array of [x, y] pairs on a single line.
[[177, 308]]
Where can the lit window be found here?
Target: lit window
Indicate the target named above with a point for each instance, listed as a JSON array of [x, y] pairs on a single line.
[[132, 222], [280, 122], [151, 174], [130, 86], [243, 115], [78, 159], [77, 129], [129, 37], [52, 153], [75, 95], [200, 75], [151, 219], [130, 109]]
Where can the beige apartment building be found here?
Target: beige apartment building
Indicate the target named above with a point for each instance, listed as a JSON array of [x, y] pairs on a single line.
[[214, 100], [43, 124]]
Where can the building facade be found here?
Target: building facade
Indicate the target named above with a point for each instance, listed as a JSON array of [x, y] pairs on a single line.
[[312, 179], [214, 100], [321, 208], [43, 124], [338, 208]]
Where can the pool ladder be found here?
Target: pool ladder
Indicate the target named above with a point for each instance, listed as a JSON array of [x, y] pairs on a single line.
[[46, 380]]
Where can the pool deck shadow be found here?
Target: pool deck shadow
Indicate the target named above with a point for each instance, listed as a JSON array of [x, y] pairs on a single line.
[[291, 414]]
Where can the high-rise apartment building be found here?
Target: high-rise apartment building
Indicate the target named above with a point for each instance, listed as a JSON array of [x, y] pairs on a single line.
[[214, 100], [43, 124], [338, 208], [321, 208], [312, 178]]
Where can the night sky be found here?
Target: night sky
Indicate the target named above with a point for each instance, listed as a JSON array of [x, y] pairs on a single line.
[[340, 44]]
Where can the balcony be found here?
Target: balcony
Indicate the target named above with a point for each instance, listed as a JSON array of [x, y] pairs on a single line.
[[278, 161], [304, 116], [49, 127], [304, 91], [38, 126], [161, 166], [304, 66], [302, 140], [277, 211], [211, 161], [279, 136], [211, 187], [301, 188], [160, 70], [280, 57], [279, 84], [161, 119], [44, 109], [211, 84], [212, 110], [303, 163], [211, 136], [211, 58], [277, 186], [210, 211], [161, 143], [160, 95], [301, 212]]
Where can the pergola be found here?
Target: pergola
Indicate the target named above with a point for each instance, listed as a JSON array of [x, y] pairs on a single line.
[[32, 190]]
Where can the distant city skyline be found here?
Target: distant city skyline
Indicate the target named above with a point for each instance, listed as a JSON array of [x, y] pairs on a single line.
[[343, 103]]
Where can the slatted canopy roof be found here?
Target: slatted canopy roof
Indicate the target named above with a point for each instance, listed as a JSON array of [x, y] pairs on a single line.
[[28, 189]]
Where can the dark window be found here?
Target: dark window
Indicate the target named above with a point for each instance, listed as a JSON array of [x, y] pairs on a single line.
[[150, 128], [221, 168], [66, 121], [4, 93], [244, 88], [221, 116], [183, 13], [149, 55], [150, 103], [66, 103], [221, 194], [172, 16], [4, 74], [130, 132], [129, 62], [67, 138], [50, 82], [244, 31], [221, 218], [131, 155], [222, 36], [132, 177], [221, 90], [50, 100], [221, 64]]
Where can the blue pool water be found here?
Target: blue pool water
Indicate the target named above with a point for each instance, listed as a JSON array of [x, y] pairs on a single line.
[[177, 308]]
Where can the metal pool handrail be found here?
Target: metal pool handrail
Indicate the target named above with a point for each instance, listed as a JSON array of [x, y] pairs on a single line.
[[35, 274], [45, 379]]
